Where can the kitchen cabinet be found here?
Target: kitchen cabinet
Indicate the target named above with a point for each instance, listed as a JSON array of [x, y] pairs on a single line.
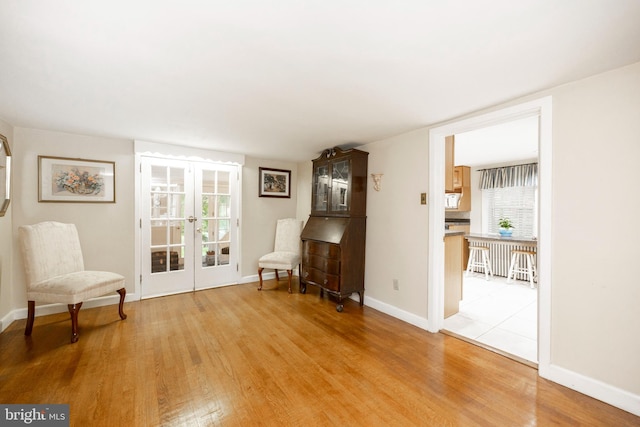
[[453, 245], [333, 240], [461, 181], [466, 229], [461, 177], [449, 161]]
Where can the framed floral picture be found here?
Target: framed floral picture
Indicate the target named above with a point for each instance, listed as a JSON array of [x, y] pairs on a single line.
[[275, 183], [62, 179]]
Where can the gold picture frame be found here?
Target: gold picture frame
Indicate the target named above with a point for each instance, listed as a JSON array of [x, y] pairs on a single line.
[[64, 179], [5, 175]]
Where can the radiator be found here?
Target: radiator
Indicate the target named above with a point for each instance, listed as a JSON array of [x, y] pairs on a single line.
[[500, 256]]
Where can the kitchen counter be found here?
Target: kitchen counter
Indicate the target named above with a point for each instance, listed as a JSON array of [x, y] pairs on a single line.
[[528, 241], [448, 233], [457, 221]]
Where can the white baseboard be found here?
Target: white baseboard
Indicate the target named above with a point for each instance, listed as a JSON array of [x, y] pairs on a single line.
[[43, 310], [393, 311], [591, 387], [7, 320]]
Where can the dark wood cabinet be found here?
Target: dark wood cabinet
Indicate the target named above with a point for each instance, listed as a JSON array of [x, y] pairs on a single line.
[[333, 240], [339, 183]]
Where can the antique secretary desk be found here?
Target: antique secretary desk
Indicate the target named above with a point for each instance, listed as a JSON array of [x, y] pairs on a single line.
[[333, 240]]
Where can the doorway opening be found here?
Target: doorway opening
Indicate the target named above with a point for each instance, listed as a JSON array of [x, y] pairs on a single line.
[[500, 181], [541, 109]]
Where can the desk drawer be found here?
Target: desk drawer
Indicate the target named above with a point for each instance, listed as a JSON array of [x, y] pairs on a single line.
[[320, 278], [323, 249], [331, 266]]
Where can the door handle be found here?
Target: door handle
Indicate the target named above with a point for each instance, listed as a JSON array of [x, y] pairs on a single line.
[[198, 230], [192, 219]]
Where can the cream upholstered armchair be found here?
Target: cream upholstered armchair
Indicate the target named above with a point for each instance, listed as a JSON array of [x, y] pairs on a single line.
[[55, 272], [286, 252]]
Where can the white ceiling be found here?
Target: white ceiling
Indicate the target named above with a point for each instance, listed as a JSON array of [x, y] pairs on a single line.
[[288, 78], [504, 143]]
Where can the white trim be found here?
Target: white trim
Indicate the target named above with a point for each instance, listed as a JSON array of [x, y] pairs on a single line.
[[435, 294], [171, 151], [137, 253], [154, 149], [435, 288], [46, 309], [597, 389], [543, 108], [393, 311], [545, 167]]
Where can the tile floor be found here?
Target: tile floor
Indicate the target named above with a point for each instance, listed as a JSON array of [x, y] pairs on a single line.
[[498, 314]]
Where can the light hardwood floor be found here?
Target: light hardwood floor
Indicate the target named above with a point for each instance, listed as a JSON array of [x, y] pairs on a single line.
[[238, 356]]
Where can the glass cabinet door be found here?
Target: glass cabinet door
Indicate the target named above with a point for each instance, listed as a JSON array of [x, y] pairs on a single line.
[[340, 186], [320, 188]]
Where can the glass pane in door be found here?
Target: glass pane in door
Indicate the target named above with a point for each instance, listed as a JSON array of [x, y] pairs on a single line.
[[340, 186], [167, 201], [321, 188], [216, 212]]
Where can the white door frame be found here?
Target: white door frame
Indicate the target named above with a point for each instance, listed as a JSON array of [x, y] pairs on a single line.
[[146, 148], [435, 287]]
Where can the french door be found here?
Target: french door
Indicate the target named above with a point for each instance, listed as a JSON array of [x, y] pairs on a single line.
[[189, 226]]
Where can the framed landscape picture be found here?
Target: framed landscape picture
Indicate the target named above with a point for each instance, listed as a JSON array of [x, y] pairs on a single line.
[[62, 179], [275, 183]]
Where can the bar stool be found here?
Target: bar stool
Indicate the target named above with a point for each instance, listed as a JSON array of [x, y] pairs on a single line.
[[479, 258], [529, 271]]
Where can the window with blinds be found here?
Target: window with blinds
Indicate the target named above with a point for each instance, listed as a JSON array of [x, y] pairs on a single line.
[[519, 204]]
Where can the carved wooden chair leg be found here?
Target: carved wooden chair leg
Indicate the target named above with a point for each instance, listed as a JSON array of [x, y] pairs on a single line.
[[31, 313], [290, 273], [123, 293], [73, 310], [277, 278], [260, 276]]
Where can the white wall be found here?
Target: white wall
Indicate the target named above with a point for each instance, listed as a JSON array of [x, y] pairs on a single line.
[[106, 229], [595, 290], [259, 214], [305, 172], [6, 244], [397, 234]]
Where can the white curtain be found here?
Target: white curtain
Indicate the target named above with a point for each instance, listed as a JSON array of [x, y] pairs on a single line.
[[510, 176]]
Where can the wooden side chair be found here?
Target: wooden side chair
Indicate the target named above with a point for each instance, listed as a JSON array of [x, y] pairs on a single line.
[[55, 272], [286, 252]]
